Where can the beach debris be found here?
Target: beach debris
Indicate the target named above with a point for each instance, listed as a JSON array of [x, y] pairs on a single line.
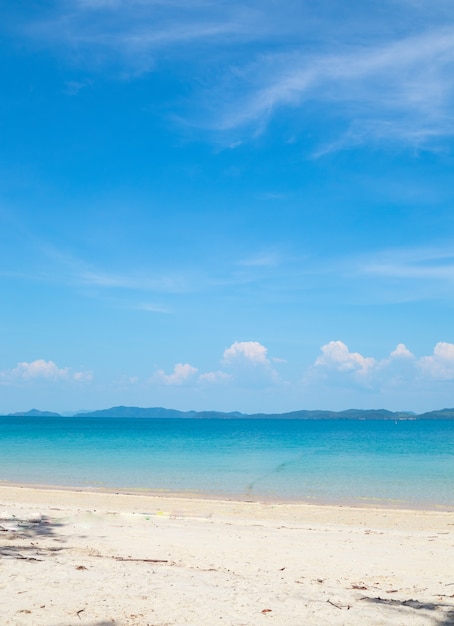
[[80, 567], [266, 611], [121, 558], [339, 606], [414, 604], [79, 612], [362, 587]]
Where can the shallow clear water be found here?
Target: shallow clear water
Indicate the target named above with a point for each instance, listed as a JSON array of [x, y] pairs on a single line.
[[314, 460]]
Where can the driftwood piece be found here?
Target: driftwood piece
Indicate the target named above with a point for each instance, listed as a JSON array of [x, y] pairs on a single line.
[[338, 606], [120, 558]]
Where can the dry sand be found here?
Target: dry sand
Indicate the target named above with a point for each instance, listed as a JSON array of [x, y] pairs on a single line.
[[84, 558]]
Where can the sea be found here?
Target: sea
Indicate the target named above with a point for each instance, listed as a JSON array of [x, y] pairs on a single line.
[[403, 463]]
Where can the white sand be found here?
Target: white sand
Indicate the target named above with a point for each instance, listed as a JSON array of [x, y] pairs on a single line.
[[82, 558]]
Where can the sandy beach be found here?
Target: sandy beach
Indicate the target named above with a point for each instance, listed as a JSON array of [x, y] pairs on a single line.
[[88, 558]]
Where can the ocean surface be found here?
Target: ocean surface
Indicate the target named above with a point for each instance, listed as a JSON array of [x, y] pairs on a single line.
[[320, 461]]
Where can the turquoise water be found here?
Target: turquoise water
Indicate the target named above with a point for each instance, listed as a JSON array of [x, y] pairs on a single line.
[[342, 461]]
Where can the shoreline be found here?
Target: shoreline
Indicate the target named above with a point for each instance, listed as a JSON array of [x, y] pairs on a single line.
[[358, 503], [195, 506], [90, 558]]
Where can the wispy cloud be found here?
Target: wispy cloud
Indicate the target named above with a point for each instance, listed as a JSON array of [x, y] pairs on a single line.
[[381, 72], [73, 87], [400, 90], [265, 259], [154, 284], [153, 308], [398, 275], [73, 270], [133, 281], [132, 35], [423, 263]]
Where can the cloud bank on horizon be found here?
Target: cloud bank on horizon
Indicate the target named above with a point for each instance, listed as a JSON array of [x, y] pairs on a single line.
[[174, 175], [246, 364]]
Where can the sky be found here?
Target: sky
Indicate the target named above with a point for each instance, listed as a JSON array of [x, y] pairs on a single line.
[[237, 206]]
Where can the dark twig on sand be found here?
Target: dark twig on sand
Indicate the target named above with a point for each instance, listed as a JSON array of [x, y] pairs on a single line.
[[338, 606], [120, 558]]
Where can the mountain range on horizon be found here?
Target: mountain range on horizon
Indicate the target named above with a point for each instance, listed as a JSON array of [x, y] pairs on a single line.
[[160, 412]]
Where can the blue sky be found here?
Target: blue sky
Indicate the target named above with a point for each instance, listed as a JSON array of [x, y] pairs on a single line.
[[227, 205]]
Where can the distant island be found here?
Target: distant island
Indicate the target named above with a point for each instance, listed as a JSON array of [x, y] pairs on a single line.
[[159, 412]]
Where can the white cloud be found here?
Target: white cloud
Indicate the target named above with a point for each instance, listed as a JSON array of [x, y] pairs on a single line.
[[402, 370], [398, 371], [246, 351], [249, 365], [440, 365], [39, 369], [182, 373], [402, 352], [336, 356], [337, 365], [215, 377], [42, 370], [83, 376], [246, 363]]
